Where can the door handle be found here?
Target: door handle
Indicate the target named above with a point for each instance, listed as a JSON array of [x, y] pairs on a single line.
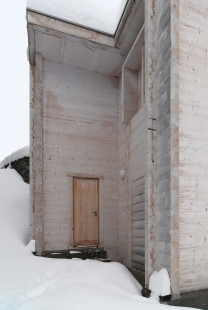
[[95, 213]]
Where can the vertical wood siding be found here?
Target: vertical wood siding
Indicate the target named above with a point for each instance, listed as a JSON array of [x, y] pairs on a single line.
[[80, 134], [193, 143]]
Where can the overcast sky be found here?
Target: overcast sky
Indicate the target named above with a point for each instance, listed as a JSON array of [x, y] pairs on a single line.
[[14, 81]]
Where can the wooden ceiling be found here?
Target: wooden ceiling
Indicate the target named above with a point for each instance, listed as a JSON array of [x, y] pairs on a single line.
[[81, 47]]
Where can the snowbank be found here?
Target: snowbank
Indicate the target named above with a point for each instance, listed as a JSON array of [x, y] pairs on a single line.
[[23, 152], [30, 283], [159, 283]]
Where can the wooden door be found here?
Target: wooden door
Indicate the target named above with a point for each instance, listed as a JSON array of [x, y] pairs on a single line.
[[85, 211]]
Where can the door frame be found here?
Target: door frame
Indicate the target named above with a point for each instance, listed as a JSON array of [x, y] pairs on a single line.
[[100, 204]]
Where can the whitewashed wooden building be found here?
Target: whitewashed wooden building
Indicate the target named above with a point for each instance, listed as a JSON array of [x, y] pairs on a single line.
[[119, 137]]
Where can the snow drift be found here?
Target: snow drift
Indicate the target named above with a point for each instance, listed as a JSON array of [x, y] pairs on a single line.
[[30, 283]]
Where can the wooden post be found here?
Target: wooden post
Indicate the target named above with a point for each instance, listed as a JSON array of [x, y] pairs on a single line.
[[32, 169], [150, 215], [38, 157], [174, 149]]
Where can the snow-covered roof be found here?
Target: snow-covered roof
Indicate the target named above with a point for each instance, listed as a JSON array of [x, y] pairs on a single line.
[[102, 15], [23, 152]]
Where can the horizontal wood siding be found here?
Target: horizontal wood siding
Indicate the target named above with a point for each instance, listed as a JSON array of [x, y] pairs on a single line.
[[80, 135], [137, 218], [131, 154], [193, 143], [124, 214]]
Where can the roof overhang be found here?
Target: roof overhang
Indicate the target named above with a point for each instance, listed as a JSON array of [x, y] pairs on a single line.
[[127, 31]]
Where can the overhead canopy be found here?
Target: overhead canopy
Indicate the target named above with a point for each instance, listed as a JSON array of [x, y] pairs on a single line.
[[102, 15]]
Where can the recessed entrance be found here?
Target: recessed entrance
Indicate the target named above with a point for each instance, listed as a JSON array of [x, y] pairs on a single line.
[[85, 211]]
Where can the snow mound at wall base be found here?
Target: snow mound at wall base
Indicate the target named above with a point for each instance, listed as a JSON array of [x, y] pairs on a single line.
[[159, 283], [30, 283]]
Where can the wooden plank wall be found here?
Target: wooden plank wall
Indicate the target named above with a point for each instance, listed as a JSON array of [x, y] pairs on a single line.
[[193, 134], [138, 223], [124, 190], [150, 190], [38, 162], [131, 157], [80, 135], [161, 96], [163, 133], [32, 153]]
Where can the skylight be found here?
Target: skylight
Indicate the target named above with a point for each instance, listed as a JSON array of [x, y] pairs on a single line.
[[100, 15]]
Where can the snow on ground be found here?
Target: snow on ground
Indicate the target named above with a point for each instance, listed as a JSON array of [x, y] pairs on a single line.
[[36, 283], [103, 15], [159, 283], [23, 152]]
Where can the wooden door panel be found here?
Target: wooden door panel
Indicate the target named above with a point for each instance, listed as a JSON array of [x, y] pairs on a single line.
[[85, 211]]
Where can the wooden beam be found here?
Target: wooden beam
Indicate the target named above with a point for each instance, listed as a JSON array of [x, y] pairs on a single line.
[[63, 26], [150, 214], [174, 149], [38, 158], [32, 154], [31, 43]]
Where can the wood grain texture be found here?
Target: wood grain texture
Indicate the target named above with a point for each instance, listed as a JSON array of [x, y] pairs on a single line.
[[150, 191], [32, 152], [74, 51], [131, 153], [138, 232], [80, 134], [38, 158], [62, 26], [193, 92], [85, 211]]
